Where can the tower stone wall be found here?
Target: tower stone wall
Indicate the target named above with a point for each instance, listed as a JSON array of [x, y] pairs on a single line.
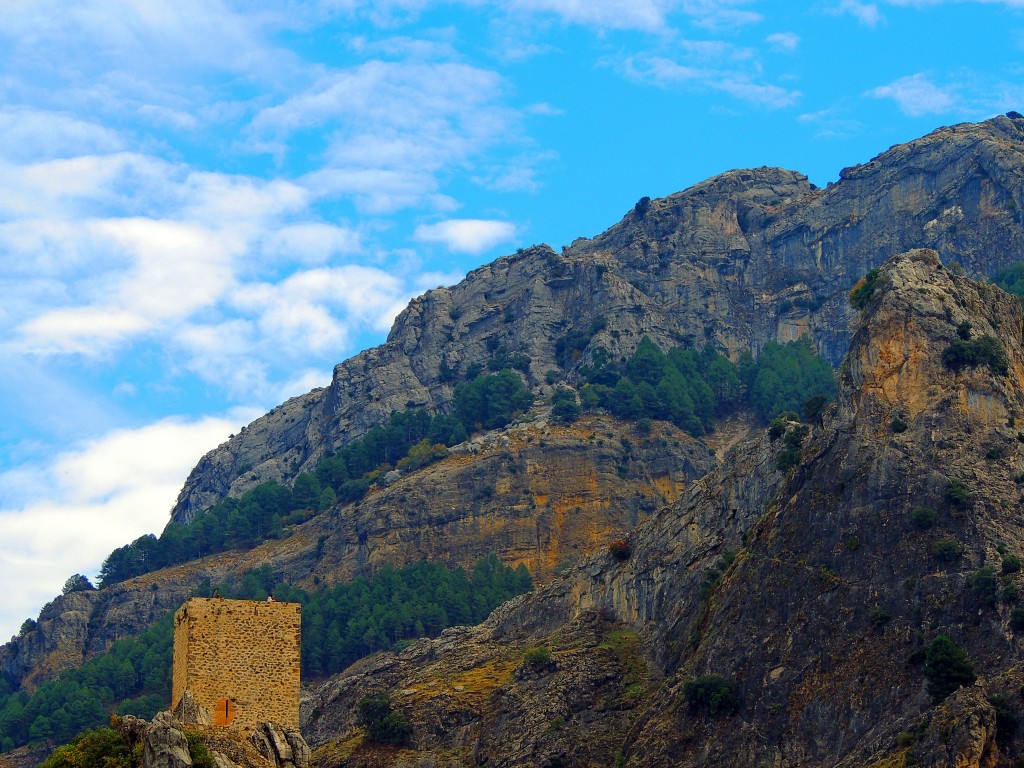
[[239, 659]]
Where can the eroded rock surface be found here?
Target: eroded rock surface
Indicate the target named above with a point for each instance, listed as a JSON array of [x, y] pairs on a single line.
[[740, 259], [812, 592]]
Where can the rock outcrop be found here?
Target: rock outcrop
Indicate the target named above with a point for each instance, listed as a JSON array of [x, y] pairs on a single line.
[[804, 583], [743, 258], [538, 494], [165, 743], [811, 595]]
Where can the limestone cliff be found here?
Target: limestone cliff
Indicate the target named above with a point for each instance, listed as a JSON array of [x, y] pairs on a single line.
[[814, 593], [798, 559], [540, 494], [737, 260]]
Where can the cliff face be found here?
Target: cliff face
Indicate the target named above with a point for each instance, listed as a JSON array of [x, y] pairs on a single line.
[[814, 592], [540, 494], [806, 562], [740, 259]]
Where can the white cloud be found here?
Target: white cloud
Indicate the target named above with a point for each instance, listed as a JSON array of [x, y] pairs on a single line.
[[29, 134], [391, 128], [66, 516], [916, 95], [311, 242], [646, 15], [466, 235], [739, 84], [318, 305], [174, 269], [865, 13], [783, 42]]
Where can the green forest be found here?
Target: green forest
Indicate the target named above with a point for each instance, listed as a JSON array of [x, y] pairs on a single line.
[[687, 387], [339, 625], [692, 388], [409, 440]]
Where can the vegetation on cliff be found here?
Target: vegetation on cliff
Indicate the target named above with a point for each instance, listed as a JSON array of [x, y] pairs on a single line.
[[340, 625], [409, 439], [693, 388]]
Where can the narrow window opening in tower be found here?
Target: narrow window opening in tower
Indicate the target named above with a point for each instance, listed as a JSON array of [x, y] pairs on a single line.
[[224, 712]]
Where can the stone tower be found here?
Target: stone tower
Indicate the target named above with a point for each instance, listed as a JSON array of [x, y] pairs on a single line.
[[239, 659]]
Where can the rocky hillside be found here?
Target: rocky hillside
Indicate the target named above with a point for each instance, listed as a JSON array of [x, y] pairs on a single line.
[[768, 617], [740, 259], [538, 494]]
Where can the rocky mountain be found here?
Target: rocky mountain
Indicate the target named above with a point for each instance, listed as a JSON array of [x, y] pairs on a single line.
[[806, 602], [737, 543], [740, 259], [538, 494]]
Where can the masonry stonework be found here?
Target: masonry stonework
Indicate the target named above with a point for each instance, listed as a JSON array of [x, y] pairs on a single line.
[[239, 659]]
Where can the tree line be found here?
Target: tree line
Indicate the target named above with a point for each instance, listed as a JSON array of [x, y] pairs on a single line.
[[693, 388], [340, 625], [408, 441]]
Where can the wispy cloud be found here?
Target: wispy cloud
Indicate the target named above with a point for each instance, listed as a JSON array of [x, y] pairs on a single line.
[[865, 13], [98, 495], [783, 42], [466, 235], [648, 15], [833, 122], [916, 95], [742, 85], [720, 14], [391, 128]]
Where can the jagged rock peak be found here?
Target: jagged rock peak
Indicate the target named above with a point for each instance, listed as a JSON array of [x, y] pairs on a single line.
[[742, 258], [917, 311], [809, 591]]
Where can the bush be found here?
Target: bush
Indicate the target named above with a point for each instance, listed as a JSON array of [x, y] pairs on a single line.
[[777, 428], [958, 495], [1011, 564], [863, 290], [879, 617], [1006, 718], [947, 550], [923, 518], [538, 657], [946, 668], [788, 459], [199, 752], [898, 425], [564, 409], [985, 350], [382, 724], [619, 549], [100, 748], [984, 585], [712, 694], [995, 453], [1017, 619]]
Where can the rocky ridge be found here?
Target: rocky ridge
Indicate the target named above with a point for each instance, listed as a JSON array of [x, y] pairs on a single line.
[[538, 494], [813, 592], [740, 259]]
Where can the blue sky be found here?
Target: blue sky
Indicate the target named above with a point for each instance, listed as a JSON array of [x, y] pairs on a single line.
[[205, 205]]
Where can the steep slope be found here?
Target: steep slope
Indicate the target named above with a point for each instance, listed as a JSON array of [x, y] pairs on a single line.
[[813, 594], [538, 494], [738, 260]]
